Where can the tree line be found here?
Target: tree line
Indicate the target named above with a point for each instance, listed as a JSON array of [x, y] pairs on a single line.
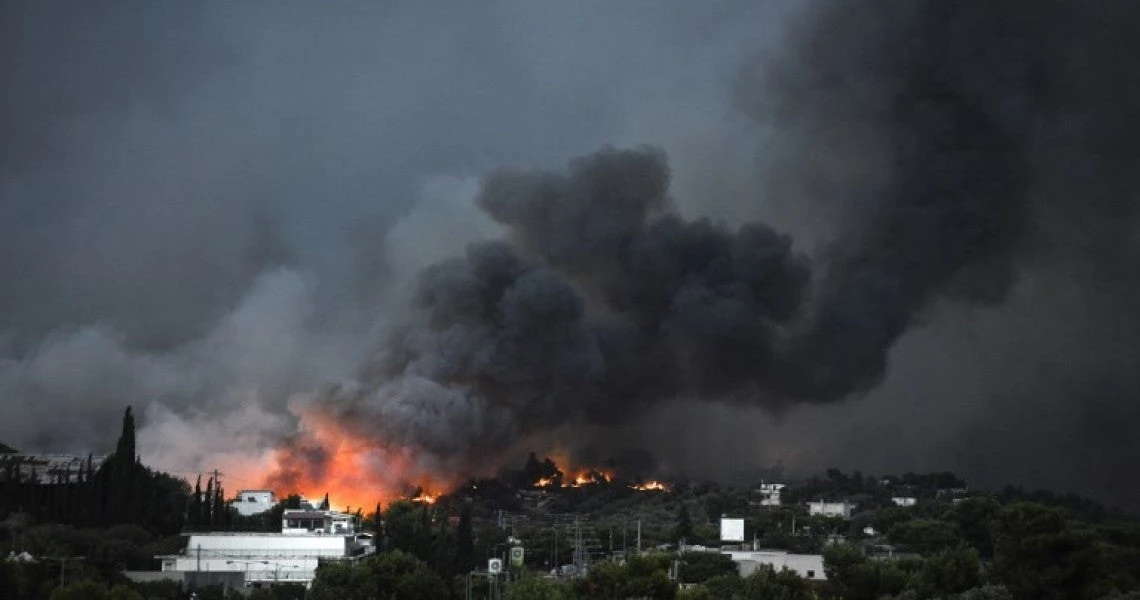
[[120, 492]]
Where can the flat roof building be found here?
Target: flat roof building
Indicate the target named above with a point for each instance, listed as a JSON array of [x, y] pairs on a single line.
[[253, 502], [292, 555], [808, 566]]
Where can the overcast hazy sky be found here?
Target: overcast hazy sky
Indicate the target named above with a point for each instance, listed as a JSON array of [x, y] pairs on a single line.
[[210, 208]]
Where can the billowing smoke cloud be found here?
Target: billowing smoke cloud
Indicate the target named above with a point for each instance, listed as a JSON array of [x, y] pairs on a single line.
[[965, 131], [215, 211], [600, 303], [973, 152]]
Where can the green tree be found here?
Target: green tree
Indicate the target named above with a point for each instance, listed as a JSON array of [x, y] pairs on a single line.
[[1038, 555], [384, 576], [81, 590], [925, 536], [857, 578], [766, 583], [407, 528], [125, 449], [697, 592], [684, 529], [976, 519], [536, 588], [950, 572], [641, 577], [464, 541], [122, 592], [697, 567]]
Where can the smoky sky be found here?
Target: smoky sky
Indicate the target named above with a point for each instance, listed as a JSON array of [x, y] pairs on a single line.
[[896, 235]]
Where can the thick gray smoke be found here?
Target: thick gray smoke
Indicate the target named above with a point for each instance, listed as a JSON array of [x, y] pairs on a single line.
[[979, 142], [214, 210], [979, 152], [601, 303]]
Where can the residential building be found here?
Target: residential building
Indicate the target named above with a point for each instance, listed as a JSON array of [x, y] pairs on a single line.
[[831, 509], [808, 566], [308, 536], [770, 493], [904, 500], [252, 502]]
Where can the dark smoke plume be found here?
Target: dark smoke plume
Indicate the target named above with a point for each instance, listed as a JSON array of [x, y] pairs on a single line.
[[976, 152], [601, 302], [981, 118]]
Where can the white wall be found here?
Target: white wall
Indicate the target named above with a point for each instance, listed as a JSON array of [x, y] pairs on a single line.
[[808, 566], [264, 557], [267, 545], [284, 570], [830, 509]]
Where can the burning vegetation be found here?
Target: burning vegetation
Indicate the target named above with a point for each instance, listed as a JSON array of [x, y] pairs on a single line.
[[327, 461], [356, 470], [651, 486]]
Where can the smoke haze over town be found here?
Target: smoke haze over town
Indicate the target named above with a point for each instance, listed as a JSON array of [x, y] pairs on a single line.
[[698, 240]]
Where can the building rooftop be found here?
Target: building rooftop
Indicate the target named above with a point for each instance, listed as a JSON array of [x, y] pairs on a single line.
[[301, 513]]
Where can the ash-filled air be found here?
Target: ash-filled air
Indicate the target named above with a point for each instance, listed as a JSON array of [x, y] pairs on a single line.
[[987, 126], [296, 238]]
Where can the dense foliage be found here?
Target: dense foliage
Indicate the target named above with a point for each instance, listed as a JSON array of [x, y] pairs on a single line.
[[952, 543], [122, 491]]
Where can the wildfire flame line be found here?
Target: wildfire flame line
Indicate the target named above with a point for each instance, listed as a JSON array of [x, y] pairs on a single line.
[[651, 486]]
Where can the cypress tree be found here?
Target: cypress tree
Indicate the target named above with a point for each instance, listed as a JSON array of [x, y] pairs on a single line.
[[195, 516], [125, 450], [684, 530], [464, 541], [219, 503], [208, 504]]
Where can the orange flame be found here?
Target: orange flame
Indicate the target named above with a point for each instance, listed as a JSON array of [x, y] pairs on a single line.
[[591, 477], [354, 470], [651, 486], [426, 498], [544, 482]]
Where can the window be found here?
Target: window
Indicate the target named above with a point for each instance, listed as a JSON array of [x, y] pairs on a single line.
[[811, 574]]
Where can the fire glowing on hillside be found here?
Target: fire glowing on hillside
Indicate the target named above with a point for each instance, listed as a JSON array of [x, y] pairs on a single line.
[[651, 486], [356, 471]]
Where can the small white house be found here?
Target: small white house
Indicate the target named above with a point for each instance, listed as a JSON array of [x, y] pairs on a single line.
[[770, 493], [252, 502], [904, 500], [808, 566], [304, 521], [831, 509]]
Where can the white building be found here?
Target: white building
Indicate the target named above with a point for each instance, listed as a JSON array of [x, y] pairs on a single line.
[[307, 521], [770, 493], [808, 566], [252, 502], [831, 509], [291, 556], [904, 500]]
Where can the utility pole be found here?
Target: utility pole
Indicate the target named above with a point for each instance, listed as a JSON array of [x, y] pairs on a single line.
[[579, 548], [63, 567], [639, 536]]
